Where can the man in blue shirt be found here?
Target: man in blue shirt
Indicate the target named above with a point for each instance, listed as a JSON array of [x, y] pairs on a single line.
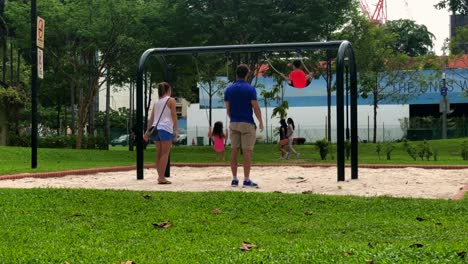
[[241, 102]]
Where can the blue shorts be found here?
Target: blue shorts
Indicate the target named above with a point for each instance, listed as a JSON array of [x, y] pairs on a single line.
[[163, 135]]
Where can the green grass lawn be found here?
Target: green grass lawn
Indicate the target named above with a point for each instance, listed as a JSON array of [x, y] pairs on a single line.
[[16, 160], [96, 226]]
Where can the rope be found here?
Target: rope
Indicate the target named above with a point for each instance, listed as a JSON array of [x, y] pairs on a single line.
[[302, 62], [194, 57], [271, 65]]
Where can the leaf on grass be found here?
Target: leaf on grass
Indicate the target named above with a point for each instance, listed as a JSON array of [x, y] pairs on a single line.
[[462, 254], [246, 246], [308, 213], [216, 211], [369, 261], [348, 254], [163, 225], [147, 197], [416, 245], [420, 219], [127, 262]]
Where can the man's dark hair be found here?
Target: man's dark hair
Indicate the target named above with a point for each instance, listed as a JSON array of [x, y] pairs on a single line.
[[242, 71], [297, 63]]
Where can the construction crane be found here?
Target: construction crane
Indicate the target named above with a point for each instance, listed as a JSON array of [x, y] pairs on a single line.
[[379, 15]]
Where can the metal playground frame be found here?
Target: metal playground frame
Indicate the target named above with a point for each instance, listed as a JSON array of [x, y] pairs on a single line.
[[345, 50]]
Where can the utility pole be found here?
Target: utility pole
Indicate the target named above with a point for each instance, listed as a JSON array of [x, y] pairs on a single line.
[[443, 93], [34, 133]]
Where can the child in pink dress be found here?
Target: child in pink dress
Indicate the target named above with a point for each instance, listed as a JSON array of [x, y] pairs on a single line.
[[219, 138]]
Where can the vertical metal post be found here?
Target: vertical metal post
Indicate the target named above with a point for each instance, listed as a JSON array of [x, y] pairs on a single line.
[[354, 113], [34, 132], [340, 114], [444, 106], [347, 97]]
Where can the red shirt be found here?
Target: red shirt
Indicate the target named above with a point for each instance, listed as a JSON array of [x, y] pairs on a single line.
[[298, 78]]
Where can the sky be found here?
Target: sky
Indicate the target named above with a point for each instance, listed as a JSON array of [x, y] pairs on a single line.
[[423, 12]]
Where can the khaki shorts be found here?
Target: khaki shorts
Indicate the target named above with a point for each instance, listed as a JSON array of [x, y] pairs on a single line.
[[242, 134]]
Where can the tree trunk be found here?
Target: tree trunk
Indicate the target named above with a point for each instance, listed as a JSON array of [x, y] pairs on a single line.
[[3, 126], [375, 118], [130, 121], [59, 107], [18, 67], [91, 125], [4, 59], [107, 129], [72, 108], [266, 120], [210, 122], [12, 72], [329, 95]]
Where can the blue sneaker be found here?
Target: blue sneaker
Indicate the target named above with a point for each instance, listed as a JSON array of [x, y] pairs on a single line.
[[234, 183], [250, 183]]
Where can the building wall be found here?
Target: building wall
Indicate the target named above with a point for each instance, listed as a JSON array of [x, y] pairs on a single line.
[[457, 21]]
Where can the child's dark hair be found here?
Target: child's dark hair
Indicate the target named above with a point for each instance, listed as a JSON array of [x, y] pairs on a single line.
[[283, 123], [163, 87], [297, 64], [242, 70], [291, 121], [218, 129]]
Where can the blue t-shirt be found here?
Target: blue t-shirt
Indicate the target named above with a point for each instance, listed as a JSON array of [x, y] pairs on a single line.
[[239, 95]]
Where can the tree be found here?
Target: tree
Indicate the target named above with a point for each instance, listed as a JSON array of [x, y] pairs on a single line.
[[410, 38], [456, 6], [380, 65]]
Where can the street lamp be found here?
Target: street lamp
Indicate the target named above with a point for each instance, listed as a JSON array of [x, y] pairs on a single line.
[[443, 105]]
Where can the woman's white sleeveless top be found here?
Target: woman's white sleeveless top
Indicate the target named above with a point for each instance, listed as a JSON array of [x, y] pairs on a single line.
[[166, 118]]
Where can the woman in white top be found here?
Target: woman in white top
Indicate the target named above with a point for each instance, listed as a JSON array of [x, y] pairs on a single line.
[[290, 135], [164, 117]]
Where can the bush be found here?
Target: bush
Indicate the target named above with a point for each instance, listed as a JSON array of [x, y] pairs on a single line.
[[90, 142], [378, 149], [464, 150], [436, 154], [324, 148], [347, 145], [425, 150], [410, 149], [389, 147], [19, 141]]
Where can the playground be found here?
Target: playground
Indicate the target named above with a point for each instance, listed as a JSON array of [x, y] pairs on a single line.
[[389, 182], [105, 107]]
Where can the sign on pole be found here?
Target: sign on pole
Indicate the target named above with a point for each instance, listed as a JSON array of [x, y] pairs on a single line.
[[40, 64], [443, 91], [40, 32]]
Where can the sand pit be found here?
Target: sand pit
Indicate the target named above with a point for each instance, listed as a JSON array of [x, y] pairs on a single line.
[[407, 182]]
